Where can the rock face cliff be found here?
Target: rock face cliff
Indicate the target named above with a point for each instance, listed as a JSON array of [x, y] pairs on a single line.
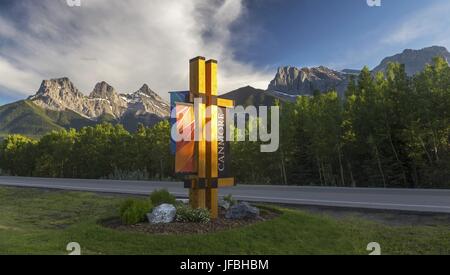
[[414, 60], [104, 100], [61, 95], [305, 81], [145, 101]]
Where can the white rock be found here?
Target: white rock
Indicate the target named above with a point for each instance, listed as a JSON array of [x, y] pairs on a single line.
[[165, 213], [224, 204]]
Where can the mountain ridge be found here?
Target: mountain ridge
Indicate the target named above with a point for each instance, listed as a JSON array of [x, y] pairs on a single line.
[[294, 81], [414, 60], [305, 81], [61, 94], [59, 104], [249, 95]]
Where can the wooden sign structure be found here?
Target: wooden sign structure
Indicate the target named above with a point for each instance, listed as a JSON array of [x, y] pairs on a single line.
[[211, 149]]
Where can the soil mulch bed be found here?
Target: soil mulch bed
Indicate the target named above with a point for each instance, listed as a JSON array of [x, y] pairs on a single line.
[[190, 228]]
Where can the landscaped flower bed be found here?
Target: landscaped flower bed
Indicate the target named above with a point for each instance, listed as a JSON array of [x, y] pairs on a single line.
[[219, 224], [162, 214]]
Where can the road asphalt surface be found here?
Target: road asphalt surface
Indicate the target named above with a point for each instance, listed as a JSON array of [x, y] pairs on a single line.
[[415, 200]]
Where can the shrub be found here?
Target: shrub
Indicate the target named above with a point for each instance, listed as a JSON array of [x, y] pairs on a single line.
[[230, 200], [128, 175], [159, 197], [187, 214], [133, 211]]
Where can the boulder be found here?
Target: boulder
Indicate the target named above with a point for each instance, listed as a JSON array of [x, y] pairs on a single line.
[[242, 210], [165, 213], [224, 204]]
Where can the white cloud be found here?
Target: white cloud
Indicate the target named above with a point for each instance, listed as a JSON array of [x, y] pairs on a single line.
[[126, 43], [432, 24], [16, 79]]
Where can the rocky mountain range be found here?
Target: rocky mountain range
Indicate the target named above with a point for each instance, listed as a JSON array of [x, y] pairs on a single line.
[[58, 104], [292, 81], [61, 94]]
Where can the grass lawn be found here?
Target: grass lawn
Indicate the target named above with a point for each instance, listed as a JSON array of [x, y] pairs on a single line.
[[44, 222]]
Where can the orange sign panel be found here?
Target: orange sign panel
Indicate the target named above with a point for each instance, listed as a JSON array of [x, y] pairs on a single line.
[[185, 144]]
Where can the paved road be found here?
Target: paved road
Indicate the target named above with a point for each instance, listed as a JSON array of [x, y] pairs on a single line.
[[437, 201]]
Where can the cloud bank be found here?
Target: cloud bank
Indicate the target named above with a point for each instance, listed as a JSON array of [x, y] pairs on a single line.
[[126, 43], [431, 24]]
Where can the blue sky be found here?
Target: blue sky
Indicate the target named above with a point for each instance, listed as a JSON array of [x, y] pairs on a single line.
[[128, 43], [334, 33]]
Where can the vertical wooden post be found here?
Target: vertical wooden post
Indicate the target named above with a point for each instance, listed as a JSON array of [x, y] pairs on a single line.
[[211, 146], [197, 80]]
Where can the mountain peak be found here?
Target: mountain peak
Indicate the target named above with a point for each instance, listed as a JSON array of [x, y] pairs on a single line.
[[414, 60], [249, 96], [146, 91], [428, 49], [60, 80], [295, 81], [57, 87], [143, 106], [54, 93], [103, 90]]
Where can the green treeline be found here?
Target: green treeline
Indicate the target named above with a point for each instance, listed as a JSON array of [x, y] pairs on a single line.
[[391, 130], [103, 151]]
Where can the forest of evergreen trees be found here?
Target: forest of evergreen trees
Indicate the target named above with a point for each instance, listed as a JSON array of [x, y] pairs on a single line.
[[104, 151], [390, 130]]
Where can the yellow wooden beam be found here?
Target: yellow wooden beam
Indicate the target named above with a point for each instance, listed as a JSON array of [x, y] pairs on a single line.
[[212, 115], [202, 141], [197, 84], [211, 78], [197, 88], [197, 76], [226, 182], [212, 196], [197, 197], [212, 202], [226, 103]]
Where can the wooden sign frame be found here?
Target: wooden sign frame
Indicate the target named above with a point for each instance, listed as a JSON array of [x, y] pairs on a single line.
[[203, 185]]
